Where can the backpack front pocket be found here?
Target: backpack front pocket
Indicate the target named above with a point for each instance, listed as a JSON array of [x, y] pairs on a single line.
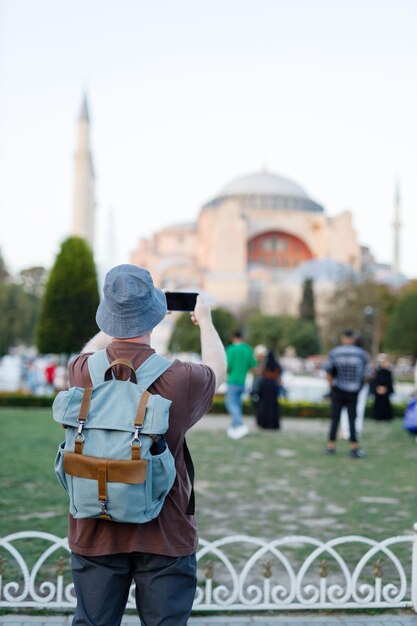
[[162, 467], [106, 488], [59, 466]]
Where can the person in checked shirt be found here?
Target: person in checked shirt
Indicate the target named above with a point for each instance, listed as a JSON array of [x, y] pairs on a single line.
[[347, 367]]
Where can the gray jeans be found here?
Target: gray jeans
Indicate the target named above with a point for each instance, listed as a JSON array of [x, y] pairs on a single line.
[[165, 588]]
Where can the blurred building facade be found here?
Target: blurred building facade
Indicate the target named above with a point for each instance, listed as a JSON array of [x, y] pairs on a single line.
[[252, 245]]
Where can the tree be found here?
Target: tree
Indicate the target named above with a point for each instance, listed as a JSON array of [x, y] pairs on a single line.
[[18, 316], [33, 280], [67, 317], [347, 306], [225, 323], [305, 338], [186, 336], [270, 330], [401, 333], [279, 332], [4, 274], [307, 304], [19, 310], [408, 287]]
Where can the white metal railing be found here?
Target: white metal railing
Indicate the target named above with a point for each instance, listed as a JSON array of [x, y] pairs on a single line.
[[240, 573]]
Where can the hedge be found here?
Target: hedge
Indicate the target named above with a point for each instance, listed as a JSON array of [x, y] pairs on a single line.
[[21, 400], [288, 409], [299, 409]]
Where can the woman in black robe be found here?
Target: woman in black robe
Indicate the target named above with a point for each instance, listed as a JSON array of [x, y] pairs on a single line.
[[266, 405], [382, 387]]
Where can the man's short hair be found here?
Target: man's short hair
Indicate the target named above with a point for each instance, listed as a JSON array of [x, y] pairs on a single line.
[[348, 332]]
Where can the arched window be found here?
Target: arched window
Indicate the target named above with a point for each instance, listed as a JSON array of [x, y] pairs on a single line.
[[278, 249]]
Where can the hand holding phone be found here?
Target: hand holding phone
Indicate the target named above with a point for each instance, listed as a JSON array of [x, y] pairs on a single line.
[[201, 312], [180, 301]]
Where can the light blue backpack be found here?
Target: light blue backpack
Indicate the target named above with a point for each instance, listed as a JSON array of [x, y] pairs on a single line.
[[112, 463]]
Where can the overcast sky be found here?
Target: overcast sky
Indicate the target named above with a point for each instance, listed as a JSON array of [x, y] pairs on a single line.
[[185, 96]]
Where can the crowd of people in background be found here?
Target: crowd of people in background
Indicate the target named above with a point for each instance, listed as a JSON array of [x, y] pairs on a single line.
[[353, 381], [258, 373], [42, 376]]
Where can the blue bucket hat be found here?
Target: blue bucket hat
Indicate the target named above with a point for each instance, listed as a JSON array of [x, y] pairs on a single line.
[[131, 305]]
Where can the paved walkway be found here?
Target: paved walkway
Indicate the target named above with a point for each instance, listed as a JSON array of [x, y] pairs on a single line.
[[356, 619], [221, 422]]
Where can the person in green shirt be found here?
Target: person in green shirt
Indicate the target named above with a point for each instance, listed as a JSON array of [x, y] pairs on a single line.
[[240, 359]]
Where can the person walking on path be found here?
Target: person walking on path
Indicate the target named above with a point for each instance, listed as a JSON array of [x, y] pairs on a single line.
[[160, 555], [347, 367], [240, 359]]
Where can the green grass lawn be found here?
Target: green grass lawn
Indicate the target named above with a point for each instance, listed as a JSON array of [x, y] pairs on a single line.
[[274, 484], [267, 485]]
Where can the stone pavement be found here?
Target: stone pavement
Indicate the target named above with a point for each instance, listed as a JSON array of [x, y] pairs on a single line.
[[403, 618], [220, 423]]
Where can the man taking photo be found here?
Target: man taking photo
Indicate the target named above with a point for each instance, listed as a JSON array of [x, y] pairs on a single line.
[[160, 555]]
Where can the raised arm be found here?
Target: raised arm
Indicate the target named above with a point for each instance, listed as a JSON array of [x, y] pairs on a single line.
[[212, 349]]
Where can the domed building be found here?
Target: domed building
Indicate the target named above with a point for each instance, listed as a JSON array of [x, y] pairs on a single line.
[[248, 244]]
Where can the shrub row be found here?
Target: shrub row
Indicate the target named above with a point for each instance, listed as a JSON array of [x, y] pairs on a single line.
[[21, 400], [288, 409], [299, 409]]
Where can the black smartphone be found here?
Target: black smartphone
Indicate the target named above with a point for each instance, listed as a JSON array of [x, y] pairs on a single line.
[[180, 301]]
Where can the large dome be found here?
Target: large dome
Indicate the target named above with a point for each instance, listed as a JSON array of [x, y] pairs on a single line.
[[264, 183], [264, 190]]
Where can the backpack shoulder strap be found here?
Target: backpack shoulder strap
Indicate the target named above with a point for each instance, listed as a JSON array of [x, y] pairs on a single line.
[[98, 363], [190, 470], [151, 369]]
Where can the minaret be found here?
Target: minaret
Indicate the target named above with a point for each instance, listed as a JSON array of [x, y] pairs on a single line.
[[397, 228], [84, 200], [111, 240]]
